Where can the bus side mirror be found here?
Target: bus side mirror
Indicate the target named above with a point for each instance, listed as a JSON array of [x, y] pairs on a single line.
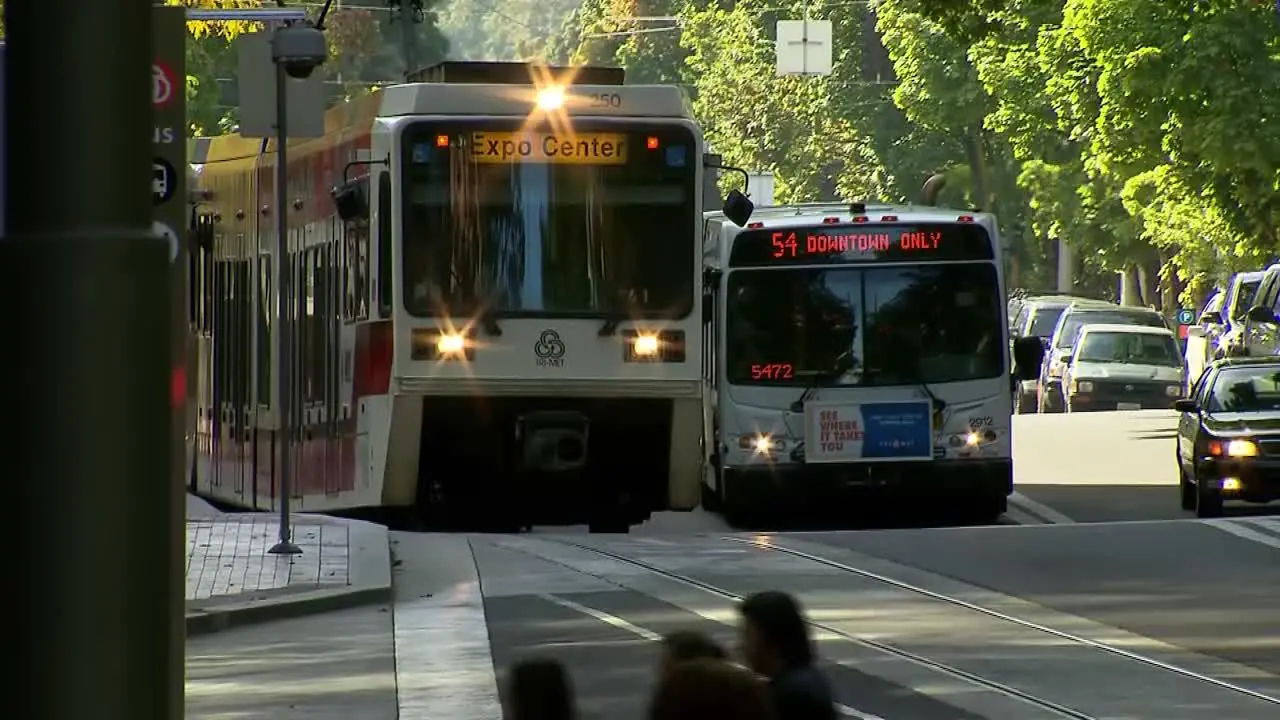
[[1211, 318], [1257, 313], [711, 277], [1028, 354], [738, 208], [708, 311], [350, 200]]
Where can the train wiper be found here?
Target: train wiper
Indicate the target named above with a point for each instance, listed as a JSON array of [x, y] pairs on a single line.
[[489, 323], [610, 327]]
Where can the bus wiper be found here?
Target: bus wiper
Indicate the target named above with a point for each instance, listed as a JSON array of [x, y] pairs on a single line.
[[818, 380], [914, 378]]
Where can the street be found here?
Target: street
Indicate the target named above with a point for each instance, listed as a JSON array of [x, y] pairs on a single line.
[[1097, 598]]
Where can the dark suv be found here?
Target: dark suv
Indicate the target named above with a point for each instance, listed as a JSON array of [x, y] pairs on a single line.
[[1036, 317], [1049, 398]]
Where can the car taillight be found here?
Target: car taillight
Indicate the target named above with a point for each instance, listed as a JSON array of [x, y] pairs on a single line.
[[373, 358]]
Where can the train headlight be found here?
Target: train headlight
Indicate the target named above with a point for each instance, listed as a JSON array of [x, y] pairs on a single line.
[[451, 344], [645, 345], [550, 98], [666, 346]]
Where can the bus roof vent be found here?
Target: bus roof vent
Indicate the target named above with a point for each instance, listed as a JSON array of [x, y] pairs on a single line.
[[513, 73]]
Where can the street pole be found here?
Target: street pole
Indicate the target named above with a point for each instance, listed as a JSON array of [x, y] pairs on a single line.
[[284, 310], [87, 327], [408, 38]]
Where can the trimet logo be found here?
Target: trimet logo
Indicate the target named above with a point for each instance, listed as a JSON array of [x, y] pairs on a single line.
[[549, 349]]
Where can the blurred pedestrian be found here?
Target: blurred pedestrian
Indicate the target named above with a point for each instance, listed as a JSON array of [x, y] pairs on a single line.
[[710, 689], [538, 689], [776, 643], [686, 645]]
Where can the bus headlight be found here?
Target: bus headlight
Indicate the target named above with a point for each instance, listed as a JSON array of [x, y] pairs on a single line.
[[762, 444]]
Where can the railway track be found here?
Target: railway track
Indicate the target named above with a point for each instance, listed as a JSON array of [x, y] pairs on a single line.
[[1225, 698]]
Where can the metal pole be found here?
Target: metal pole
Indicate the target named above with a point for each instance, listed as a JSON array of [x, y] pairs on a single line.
[[87, 328], [284, 310], [408, 17]]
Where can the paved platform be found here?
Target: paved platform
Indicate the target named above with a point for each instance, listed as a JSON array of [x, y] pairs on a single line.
[[232, 579], [1169, 619]]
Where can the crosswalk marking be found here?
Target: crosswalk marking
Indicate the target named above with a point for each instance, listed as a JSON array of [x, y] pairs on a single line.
[[1264, 530]]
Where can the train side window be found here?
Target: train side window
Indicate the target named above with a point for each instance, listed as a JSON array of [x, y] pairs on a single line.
[[264, 330], [385, 273]]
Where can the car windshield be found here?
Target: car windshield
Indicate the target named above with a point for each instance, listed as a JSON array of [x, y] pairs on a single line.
[[1246, 389], [1129, 348], [593, 226], [883, 326], [1066, 336], [1043, 320]]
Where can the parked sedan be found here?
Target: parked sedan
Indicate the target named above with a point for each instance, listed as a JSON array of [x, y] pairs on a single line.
[[1122, 367], [1229, 435]]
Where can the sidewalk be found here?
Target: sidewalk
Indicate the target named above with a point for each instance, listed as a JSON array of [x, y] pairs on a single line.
[[233, 580]]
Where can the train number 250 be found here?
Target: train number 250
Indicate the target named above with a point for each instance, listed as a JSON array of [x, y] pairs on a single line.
[[605, 100]]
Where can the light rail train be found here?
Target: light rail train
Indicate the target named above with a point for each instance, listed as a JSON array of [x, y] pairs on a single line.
[[491, 308], [856, 348]]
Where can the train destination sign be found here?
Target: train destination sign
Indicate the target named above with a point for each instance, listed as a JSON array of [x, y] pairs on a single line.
[[551, 148], [862, 243]]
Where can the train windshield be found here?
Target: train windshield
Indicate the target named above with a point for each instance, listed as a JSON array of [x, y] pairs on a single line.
[[883, 326], [601, 221]]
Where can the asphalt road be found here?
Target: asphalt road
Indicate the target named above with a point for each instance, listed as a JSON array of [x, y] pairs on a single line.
[[1170, 619], [1079, 468], [1101, 467]]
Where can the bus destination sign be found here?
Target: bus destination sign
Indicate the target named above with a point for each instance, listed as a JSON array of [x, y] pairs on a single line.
[[863, 243], [549, 148]]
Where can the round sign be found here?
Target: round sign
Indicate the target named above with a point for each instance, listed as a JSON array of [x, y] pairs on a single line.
[[163, 86], [1186, 316], [164, 181], [167, 233]]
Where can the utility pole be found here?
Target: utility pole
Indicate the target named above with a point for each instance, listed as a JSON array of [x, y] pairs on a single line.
[[409, 14], [87, 287]]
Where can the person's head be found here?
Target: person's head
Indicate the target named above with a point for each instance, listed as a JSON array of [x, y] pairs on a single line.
[[538, 689], [709, 689], [775, 636], [685, 645]]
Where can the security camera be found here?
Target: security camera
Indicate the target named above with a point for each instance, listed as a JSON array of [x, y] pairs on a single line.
[[300, 49]]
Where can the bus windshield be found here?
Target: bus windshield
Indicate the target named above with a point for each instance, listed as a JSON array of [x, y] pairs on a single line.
[[840, 326], [602, 221]]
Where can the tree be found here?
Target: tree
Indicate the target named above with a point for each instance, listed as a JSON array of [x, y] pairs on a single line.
[[515, 30]]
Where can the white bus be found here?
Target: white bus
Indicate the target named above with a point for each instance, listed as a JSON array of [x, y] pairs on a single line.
[[495, 306], [851, 347]]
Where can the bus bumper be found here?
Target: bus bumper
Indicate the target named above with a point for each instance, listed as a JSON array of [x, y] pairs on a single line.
[[818, 485]]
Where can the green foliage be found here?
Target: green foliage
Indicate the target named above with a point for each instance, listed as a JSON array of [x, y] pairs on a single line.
[[366, 43], [512, 30]]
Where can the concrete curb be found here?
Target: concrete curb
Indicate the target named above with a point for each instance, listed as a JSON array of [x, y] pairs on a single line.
[[368, 583], [204, 621]]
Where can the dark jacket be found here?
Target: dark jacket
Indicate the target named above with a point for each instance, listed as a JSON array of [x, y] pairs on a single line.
[[803, 693]]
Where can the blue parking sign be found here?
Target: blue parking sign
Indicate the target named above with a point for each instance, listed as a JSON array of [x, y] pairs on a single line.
[[1186, 316]]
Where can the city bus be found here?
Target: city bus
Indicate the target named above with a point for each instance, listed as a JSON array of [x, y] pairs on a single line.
[[851, 348], [495, 274]]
